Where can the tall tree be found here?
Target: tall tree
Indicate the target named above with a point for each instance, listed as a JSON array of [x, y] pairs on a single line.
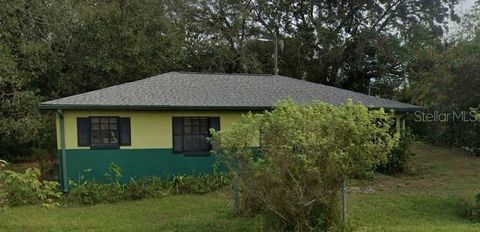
[[113, 42], [444, 77], [26, 59], [349, 42], [218, 32]]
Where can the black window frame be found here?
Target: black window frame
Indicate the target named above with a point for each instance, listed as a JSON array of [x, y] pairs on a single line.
[[85, 132], [105, 145], [194, 134]]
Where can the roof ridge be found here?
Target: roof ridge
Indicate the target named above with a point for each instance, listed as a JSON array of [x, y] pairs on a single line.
[[219, 73]]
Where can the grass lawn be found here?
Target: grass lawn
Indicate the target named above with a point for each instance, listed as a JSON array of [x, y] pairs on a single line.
[[177, 213], [427, 201]]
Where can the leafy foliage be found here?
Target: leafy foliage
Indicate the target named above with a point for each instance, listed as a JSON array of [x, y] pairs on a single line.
[[198, 184], [85, 192], [27, 188], [307, 152], [62, 48], [400, 159], [445, 79]]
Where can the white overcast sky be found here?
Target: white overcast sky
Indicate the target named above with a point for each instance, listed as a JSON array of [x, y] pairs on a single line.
[[463, 7]]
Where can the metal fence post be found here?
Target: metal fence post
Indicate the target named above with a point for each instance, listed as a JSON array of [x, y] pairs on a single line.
[[344, 203]]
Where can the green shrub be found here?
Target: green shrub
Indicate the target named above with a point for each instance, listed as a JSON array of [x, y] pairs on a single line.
[[472, 211], [85, 192], [137, 190], [400, 160], [307, 152], [88, 194], [153, 187], [27, 188], [199, 184]]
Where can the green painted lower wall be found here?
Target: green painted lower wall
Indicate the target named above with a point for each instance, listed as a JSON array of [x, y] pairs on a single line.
[[135, 163]]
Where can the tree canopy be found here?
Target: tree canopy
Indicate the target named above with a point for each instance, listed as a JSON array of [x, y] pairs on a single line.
[[55, 48]]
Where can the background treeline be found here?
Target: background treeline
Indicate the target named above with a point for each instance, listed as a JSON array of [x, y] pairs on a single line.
[[55, 48]]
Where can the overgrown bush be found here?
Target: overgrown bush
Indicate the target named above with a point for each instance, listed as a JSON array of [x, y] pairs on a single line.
[[137, 190], [307, 152], [22, 188], [93, 193], [472, 211], [86, 192], [199, 184], [400, 160]]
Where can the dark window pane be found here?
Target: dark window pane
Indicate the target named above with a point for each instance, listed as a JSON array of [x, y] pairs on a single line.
[[95, 134], [204, 130], [187, 144], [190, 134], [104, 131], [195, 122], [95, 126], [196, 130], [204, 146]]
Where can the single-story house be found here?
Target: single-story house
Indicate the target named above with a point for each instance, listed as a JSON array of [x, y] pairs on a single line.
[[158, 126]]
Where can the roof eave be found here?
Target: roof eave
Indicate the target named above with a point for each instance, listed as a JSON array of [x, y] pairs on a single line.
[[399, 109], [147, 107], [153, 107]]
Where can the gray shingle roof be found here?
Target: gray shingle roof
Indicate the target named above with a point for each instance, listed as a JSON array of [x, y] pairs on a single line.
[[184, 90]]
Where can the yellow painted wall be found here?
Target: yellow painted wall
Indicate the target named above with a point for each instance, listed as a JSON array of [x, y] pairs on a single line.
[[149, 129]]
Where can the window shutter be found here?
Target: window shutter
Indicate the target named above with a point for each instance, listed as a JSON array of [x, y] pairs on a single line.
[[177, 123], [83, 132], [215, 123], [125, 134]]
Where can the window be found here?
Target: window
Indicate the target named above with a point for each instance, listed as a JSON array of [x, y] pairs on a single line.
[[190, 134], [103, 132]]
